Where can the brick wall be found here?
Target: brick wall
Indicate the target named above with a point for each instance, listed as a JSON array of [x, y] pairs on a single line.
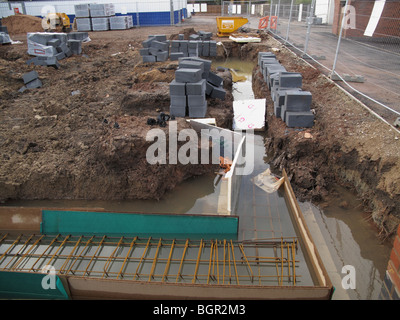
[[388, 26], [391, 285]]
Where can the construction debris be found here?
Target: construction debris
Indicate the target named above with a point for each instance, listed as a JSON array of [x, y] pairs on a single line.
[[31, 81]]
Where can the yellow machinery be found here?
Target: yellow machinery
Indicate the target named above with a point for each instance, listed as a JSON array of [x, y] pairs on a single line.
[[228, 25], [57, 21]]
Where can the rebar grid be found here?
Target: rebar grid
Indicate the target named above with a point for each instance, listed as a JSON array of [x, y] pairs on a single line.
[[213, 262]]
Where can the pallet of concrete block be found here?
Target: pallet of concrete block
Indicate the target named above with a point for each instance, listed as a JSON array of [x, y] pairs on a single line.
[[101, 10], [155, 48], [100, 24], [121, 22], [82, 10], [83, 24], [4, 36]]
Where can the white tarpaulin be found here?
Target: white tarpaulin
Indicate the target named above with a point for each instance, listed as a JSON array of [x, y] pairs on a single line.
[[249, 114]]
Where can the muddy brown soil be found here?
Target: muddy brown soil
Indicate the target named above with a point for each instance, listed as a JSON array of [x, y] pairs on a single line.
[[347, 145], [83, 134], [56, 144]]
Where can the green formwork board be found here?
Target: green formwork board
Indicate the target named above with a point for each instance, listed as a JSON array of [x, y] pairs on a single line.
[[139, 224], [21, 285]]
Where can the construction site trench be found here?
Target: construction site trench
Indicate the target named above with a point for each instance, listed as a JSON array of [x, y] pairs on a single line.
[[82, 135]]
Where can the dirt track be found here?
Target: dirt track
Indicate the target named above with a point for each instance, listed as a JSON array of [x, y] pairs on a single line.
[[55, 145]]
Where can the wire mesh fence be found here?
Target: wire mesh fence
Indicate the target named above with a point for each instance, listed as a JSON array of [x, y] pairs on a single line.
[[356, 43]]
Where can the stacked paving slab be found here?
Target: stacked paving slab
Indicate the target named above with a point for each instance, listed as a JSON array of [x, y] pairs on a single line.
[[49, 48], [193, 82], [155, 48], [291, 103], [100, 17]]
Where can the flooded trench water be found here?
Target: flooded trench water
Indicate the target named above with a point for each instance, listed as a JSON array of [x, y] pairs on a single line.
[[350, 238]]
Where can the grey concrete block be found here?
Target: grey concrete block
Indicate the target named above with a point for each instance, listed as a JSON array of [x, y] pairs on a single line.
[[162, 56], [215, 79], [277, 109], [193, 53], [3, 29], [207, 63], [196, 88], [153, 50], [183, 45], [162, 46], [299, 119], [181, 36], [174, 50], [175, 43], [177, 88], [30, 76], [193, 44], [68, 52], [76, 35], [290, 79], [54, 42], [147, 43], [144, 51], [75, 46], [280, 94], [149, 58], [298, 100], [196, 100], [194, 37], [178, 101], [188, 75], [60, 55], [209, 88], [177, 111], [52, 62], [175, 55], [218, 93], [198, 112], [265, 54], [34, 84], [160, 37]]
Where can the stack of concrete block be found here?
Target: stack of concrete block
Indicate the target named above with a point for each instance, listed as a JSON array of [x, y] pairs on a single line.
[[121, 22], [100, 23], [155, 48], [188, 90], [100, 13], [94, 16], [31, 81], [193, 48], [4, 36], [101, 10], [291, 103], [82, 10]]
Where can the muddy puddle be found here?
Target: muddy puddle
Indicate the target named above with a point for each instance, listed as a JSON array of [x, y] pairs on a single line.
[[350, 237]]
